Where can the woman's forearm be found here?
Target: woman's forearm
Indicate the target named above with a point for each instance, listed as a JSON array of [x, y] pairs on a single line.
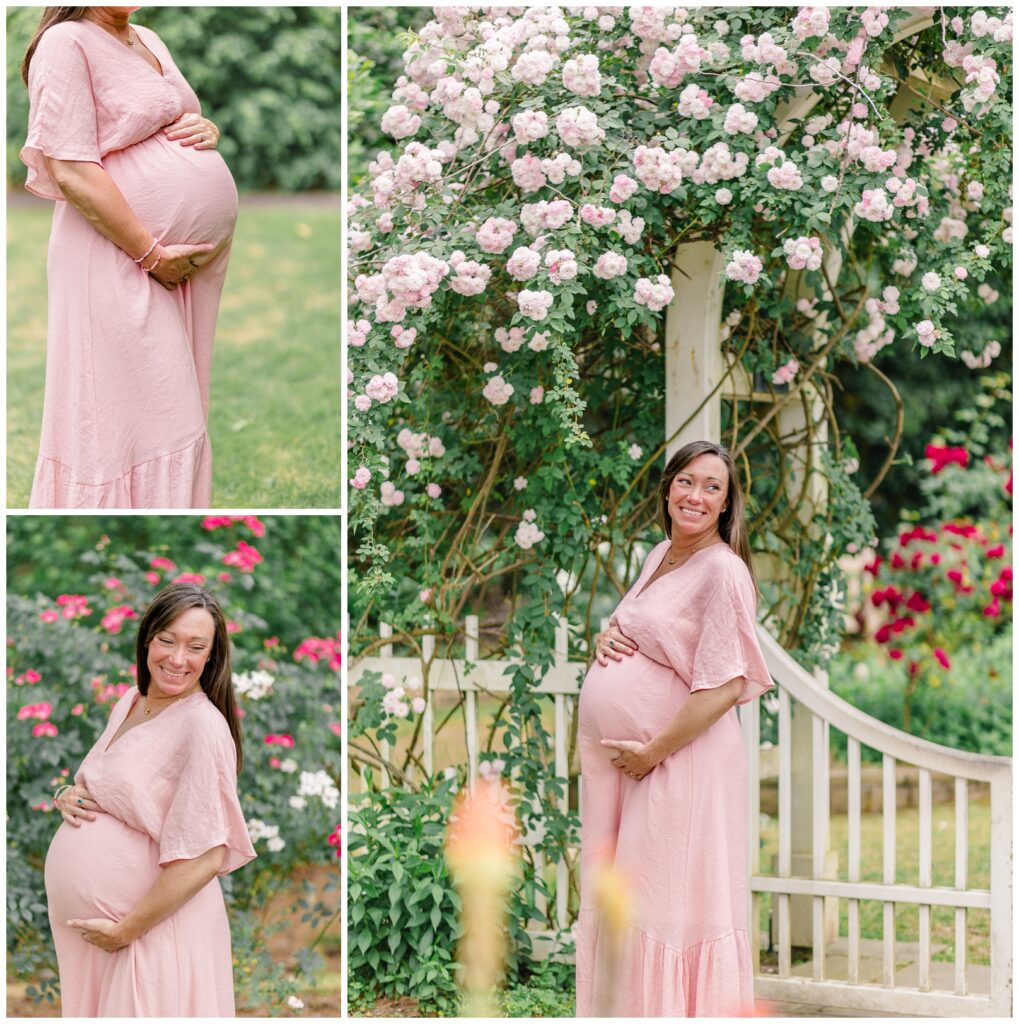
[[176, 884], [91, 191], [699, 712]]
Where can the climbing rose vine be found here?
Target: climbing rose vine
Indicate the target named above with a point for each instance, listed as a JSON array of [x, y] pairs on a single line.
[[546, 163]]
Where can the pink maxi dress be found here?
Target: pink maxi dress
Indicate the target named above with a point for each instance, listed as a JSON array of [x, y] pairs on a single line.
[[127, 362], [168, 789], [675, 841]]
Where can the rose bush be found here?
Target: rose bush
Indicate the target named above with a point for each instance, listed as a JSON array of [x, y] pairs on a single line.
[[70, 656], [943, 588]]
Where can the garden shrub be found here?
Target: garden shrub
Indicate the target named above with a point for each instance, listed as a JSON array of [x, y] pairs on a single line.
[[402, 916], [70, 655], [268, 76]]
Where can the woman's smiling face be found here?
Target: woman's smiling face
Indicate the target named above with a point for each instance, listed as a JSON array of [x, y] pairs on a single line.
[[178, 653], [697, 497]]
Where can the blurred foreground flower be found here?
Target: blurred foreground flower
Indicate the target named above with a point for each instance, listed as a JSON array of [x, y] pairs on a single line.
[[483, 862], [613, 901]]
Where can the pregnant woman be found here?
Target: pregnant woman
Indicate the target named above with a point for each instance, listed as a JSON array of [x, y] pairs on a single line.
[[137, 913], [664, 779], [137, 258]]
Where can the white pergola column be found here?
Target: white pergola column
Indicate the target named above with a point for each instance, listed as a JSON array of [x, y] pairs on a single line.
[[693, 354]]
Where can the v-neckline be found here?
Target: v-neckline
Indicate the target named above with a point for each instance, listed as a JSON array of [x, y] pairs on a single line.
[[647, 586], [161, 73], [115, 740]]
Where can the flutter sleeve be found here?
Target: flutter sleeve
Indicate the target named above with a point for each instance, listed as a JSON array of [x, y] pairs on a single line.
[[62, 121], [726, 646], [204, 810]]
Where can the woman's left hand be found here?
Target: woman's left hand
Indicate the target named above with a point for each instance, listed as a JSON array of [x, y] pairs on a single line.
[[101, 932], [632, 757], [193, 130]]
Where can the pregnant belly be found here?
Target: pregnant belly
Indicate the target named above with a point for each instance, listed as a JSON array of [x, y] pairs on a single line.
[[179, 193], [99, 870], [629, 699]]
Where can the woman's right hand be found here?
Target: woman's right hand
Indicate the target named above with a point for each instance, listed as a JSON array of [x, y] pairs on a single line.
[[178, 262], [613, 644], [76, 805]]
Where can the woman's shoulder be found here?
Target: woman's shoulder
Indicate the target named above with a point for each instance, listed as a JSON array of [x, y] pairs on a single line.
[[207, 726], [58, 38], [726, 564]]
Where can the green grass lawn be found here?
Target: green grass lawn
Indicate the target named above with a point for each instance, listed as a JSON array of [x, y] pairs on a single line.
[[275, 404]]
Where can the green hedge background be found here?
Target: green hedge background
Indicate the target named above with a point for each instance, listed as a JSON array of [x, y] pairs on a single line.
[[268, 76]]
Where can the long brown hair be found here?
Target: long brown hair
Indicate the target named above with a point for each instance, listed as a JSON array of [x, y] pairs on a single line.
[[217, 676], [732, 523], [50, 16]]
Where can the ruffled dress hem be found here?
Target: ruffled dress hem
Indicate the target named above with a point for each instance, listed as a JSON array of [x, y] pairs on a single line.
[[713, 978], [180, 479]]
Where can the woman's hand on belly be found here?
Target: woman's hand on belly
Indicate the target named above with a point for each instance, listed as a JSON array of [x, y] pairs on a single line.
[[193, 130], [178, 262], [632, 757], [613, 643], [99, 931], [76, 805]]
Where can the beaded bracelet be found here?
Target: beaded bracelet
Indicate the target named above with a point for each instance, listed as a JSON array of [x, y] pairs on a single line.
[[145, 255], [148, 270]]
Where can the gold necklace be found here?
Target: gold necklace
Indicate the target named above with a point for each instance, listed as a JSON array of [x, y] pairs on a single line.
[[171, 699]]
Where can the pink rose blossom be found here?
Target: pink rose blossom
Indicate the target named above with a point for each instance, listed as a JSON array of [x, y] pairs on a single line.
[[529, 126], [537, 395], [495, 235], [581, 76], [527, 173], [510, 340], [744, 267], [357, 333], [561, 265], [656, 295], [597, 216], [785, 176], [400, 122], [739, 120], [523, 264], [803, 253], [785, 373], [497, 390], [533, 67], [433, 490], [926, 333], [520, 483], [471, 277], [623, 186], [578, 127], [361, 478], [874, 206], [535, 304], [389, 495], [658, 170], [609, 265], [403, 337], [695, 102], [382, 387], [527, 535]]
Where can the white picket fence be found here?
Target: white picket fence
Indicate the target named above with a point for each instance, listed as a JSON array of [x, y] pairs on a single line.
[[472, 675]]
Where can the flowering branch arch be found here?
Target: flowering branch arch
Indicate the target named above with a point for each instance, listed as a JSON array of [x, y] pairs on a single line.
[[510, 267]]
